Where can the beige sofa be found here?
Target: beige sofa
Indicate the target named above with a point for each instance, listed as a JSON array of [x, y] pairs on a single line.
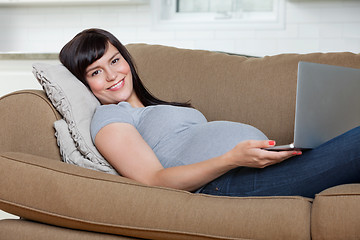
[[63, 201]]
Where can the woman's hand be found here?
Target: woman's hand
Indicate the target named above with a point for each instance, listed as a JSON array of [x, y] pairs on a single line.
[[252, 154]]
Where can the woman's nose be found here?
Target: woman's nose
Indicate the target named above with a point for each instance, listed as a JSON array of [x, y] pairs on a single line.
[[111, 75]]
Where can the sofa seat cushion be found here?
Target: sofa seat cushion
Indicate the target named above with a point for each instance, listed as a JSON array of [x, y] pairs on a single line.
[[73, 197], [22, 229], [336, 213]]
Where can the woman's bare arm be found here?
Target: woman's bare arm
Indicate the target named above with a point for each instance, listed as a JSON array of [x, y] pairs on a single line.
[[125, 149]]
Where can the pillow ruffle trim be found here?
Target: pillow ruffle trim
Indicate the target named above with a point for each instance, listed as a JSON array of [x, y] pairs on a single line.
[[69, 152]]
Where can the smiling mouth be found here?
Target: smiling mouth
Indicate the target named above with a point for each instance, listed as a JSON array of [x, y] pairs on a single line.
[[117, 85]]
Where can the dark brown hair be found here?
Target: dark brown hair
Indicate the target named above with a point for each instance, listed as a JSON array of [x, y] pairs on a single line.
[[90, 45]]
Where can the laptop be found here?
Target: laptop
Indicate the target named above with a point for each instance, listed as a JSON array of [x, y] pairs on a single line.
[[327, 104]]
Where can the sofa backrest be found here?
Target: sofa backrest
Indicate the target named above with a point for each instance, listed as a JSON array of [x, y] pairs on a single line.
[[257, 91]]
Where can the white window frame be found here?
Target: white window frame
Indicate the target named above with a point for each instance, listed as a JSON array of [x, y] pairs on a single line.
[[26, 3], [166, 17]]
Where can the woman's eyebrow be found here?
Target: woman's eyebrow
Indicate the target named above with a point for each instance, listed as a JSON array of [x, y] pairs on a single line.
[[113, 56]]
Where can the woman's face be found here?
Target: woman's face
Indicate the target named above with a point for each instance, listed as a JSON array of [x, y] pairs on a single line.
[[110, 79]]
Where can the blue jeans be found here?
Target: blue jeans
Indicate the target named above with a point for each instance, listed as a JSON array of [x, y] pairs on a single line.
[[333, 163]]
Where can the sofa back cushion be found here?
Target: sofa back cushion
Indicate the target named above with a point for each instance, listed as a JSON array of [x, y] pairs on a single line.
[[257, 91]]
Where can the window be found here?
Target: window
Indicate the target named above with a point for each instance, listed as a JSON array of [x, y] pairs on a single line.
[[66, 2], [199, 14]]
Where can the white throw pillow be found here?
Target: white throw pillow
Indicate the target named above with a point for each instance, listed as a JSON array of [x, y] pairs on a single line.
[[75, 102]]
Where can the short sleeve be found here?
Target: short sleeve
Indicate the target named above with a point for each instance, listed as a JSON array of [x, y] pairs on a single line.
[[107, 114]]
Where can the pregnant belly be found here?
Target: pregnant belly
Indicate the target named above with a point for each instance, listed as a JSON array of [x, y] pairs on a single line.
[[205, 141]]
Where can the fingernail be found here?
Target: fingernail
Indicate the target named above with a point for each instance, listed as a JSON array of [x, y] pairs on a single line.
[[271, 142]]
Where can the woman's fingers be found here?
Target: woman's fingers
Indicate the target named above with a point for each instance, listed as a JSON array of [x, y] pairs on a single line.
[[260, 143], [252, 154]]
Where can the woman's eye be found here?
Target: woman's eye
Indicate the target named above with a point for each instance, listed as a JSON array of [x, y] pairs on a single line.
[[95, 73], [115, 60]]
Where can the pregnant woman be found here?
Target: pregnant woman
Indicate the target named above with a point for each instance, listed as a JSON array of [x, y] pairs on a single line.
[[171, 144]]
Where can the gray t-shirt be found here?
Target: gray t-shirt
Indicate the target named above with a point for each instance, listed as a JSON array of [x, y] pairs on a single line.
[[177, 135]]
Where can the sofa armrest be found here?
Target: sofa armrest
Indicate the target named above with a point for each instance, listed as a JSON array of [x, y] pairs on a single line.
[[336, 213], [60, 194], [26, 124]]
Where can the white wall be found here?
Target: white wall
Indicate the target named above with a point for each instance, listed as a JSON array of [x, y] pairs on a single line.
[[17, 74], [324, 26]]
